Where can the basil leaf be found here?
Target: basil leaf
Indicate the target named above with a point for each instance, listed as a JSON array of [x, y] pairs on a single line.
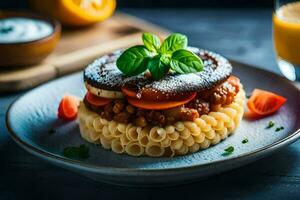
[[134, 60], [165, 58], [159, 66], [184, 61], [174, 42], [151, 41]]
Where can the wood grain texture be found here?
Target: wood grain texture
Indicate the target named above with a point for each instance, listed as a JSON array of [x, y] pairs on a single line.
[[77, 48], [244, 35]]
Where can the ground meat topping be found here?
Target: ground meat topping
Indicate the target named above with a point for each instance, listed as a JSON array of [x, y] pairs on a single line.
[[223, 94], [200, 105], [121, 111]]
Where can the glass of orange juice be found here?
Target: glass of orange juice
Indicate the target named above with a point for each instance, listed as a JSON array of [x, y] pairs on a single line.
[[286, 36]]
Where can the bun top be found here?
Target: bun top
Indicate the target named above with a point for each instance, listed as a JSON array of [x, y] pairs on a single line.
[[104, 74]]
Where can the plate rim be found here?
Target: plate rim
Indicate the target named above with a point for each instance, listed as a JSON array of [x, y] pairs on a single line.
[[142, 171]]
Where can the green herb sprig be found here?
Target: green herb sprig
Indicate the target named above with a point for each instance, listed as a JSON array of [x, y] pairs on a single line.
[[80, 152], [228, 151], [270, 125], [159, 57], [279, 128], [244, 141]]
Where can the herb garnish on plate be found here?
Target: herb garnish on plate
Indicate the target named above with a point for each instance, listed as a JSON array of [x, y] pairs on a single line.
[[270, 125], [245, 141], [80, 152], [159, 57], [229, 150], [279, 128]]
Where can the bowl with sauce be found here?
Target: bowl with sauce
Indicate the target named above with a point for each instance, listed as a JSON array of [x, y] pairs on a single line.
[[26, 38]]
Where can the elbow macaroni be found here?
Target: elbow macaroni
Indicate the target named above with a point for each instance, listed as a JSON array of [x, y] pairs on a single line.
[[177, 139]]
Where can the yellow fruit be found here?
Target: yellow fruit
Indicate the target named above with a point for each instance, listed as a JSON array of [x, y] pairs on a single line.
[[76, 12]]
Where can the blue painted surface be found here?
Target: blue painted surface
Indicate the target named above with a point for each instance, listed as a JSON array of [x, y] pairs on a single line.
[[244, 35]]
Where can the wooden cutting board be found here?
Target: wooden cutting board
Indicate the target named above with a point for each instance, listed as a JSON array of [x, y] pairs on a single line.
[[77, 48]]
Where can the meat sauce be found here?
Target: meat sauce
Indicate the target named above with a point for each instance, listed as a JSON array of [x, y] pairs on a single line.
[[121, 111]]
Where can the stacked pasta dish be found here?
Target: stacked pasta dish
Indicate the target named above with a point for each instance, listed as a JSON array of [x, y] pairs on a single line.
[[160, 99]]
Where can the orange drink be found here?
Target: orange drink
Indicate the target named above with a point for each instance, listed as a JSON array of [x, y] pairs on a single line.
[[286, 35]]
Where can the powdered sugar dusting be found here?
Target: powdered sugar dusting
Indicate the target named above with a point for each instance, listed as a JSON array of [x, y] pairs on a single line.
[[103, 73], [216, 69]]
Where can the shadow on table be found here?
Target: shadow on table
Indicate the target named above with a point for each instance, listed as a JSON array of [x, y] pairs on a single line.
[[34, 179]]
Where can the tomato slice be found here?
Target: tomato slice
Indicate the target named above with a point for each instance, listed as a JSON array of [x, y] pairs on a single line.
[[95, 100], [234, 81], [68, 107], [150, 94], [264, 103], [129, 92], [159, 105]]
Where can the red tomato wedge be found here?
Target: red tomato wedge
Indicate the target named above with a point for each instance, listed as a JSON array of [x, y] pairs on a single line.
[[68, 107], [159, 105], [264, 103], [95, 100]]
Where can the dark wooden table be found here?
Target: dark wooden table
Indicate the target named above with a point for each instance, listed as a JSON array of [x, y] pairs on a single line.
[[244, 35]]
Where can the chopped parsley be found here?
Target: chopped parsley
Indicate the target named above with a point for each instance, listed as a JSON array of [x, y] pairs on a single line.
[[270, 125], [245, 141], [80, 152], [279, 128], [228, 151]]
